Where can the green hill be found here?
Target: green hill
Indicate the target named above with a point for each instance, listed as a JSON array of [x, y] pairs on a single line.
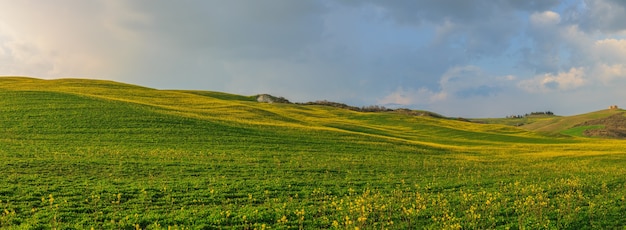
[[74, 105], [81, 154], [577, 125], [603, 124]]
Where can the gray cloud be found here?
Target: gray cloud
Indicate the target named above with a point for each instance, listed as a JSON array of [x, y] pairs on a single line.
[[233, 29], [482, 28], [416, 12], [482, 90], [606, 16]]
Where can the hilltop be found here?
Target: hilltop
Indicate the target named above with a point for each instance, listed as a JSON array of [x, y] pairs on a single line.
[[604, 124], [609, 123], [234, 110], [229, 108]]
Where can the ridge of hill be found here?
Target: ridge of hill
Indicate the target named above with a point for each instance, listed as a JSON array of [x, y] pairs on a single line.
[[613, 126], [243, 111], [230, 108], [582, 125]]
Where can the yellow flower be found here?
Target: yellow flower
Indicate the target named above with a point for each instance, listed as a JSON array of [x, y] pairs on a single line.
[[283, 219]]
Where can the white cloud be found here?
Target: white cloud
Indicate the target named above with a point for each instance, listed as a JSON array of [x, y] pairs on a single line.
[[549, 82], [545, 32], [608, 73], [610, 50], [507, 78], [64, 38], [408, 97], [459, 76], [545, 19], [458, 83]]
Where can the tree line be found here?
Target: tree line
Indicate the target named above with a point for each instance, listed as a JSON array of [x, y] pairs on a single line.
[[546, 113], [369, 108]]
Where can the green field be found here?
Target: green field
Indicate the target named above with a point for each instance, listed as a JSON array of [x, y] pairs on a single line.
[[578, 131], [83, 154]]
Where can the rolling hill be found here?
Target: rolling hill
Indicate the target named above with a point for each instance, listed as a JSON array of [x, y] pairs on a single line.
[[96, 109], [611, 121], [84, 154]]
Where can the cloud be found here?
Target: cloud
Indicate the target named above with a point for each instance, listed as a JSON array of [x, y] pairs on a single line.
[[607, 74], [97, 36], [460, 77], [482, 90], [416, 12], [562, 81], [69, 38], [477, 29], [461, 82], [610, 50], [544, 51], [407, 97], [545, 19], [233, 29], [605, 16]]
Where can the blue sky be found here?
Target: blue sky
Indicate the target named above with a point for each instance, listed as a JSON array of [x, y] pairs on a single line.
[[481, 58]]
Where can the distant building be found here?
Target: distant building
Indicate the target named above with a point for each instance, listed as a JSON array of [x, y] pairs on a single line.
[[265, 98], [613, 107]]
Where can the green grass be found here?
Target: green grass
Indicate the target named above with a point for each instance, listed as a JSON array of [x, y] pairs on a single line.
[[81, 154], [515, 121], [559, 124], [579, 130], [220, 95]]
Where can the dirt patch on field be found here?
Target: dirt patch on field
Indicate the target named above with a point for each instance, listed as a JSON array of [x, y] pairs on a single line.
[[614, 127]]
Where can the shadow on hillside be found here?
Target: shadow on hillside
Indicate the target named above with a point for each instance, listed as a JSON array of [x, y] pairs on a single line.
[[614, 127]]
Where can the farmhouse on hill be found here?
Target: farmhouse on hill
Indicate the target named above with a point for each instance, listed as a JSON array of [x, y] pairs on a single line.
[[266, 98], [613, 107]]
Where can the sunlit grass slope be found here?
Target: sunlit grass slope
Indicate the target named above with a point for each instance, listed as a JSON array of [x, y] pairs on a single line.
[[563, 124], [105, 155], [72, 101], [515, 121]]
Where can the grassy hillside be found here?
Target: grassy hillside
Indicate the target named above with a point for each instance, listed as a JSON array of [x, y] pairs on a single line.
[[526, 120], [603, 124], [568, 125], [99, 154]]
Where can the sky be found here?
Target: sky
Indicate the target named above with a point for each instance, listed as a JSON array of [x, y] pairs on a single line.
[[459, 58]]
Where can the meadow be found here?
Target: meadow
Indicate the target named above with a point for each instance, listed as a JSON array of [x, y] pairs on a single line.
[[86, 154]]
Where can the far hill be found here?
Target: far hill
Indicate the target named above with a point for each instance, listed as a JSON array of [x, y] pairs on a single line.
[[604, 123], [397, 124], [515, 121], [122, 103]]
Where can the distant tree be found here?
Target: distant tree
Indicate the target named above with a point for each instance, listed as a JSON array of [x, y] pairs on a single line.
[[333, 104], [374, 108], [271, 99]]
